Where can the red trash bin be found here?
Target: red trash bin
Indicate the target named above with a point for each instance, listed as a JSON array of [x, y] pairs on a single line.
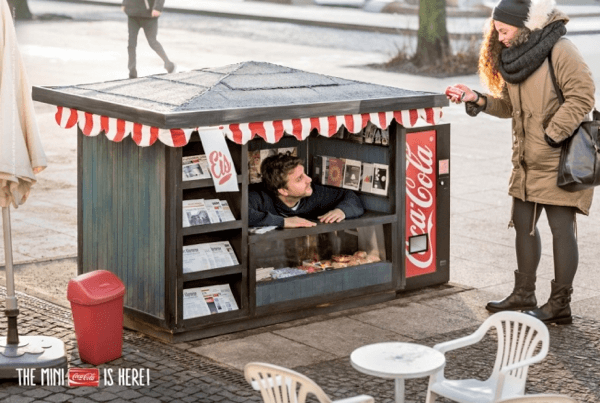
[[97, 305]]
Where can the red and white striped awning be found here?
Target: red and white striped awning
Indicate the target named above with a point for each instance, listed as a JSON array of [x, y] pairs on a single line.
[[240, 133]]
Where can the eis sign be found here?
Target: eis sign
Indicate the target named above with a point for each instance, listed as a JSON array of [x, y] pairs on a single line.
[[421, 200]]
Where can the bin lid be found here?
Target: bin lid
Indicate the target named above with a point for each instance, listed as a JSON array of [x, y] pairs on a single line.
[[168, 107], [95, 288]]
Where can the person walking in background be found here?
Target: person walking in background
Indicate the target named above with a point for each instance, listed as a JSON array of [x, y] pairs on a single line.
[[522, 37], [144, 14]]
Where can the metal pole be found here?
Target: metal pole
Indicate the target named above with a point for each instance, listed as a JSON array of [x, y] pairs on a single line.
[[12, 309]]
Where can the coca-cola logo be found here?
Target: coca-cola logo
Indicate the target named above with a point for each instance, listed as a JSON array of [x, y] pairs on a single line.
[[220, 166], [420, 199], [84, 377]]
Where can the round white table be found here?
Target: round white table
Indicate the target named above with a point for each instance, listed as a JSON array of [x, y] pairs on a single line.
[[398, 361]]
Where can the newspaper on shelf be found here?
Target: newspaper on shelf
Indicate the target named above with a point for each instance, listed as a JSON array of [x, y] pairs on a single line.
[[209, 300], [195, 167], [287, 272], [227, 215], [194, 213], [206, 256], [221, 209], [261, 230], [212, 207]]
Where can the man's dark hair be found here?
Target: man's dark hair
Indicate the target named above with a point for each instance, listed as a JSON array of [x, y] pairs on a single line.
[[275, 170]]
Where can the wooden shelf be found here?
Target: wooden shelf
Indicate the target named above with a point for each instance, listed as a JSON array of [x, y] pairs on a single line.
[[202, 183], [203, 321], [212, 273], [203, 229], [367, 219]]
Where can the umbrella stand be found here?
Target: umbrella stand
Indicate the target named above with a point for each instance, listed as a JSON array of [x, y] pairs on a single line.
[[12, 309], [27, 352]]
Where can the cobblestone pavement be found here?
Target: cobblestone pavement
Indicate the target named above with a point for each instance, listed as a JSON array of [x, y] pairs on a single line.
[[175, 375], [571, 367], [181, 376]]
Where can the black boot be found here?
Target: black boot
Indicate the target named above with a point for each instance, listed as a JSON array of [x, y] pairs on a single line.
[[557, 309], [522, 297]]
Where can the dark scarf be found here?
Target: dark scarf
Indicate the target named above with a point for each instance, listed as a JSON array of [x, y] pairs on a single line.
[[518, 62]]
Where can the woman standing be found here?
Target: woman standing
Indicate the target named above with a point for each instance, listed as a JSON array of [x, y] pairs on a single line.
[[514, 64]]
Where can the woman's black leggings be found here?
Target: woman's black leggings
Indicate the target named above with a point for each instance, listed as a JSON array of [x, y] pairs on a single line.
[[564, 244]]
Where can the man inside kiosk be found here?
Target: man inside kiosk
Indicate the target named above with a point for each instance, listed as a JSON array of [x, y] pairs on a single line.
[[288, 199]]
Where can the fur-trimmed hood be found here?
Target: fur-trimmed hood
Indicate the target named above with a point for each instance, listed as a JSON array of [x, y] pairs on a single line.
[[539, 13], [554, 15]]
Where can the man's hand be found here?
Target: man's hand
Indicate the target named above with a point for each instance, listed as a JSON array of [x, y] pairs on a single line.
[[297, 222], [155, 13], [335, 215]]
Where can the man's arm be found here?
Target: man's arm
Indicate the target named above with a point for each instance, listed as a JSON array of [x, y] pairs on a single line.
[[261, 211], [343, 199], [350, 204]]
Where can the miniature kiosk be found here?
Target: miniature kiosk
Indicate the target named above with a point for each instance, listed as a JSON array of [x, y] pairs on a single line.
[[190, 272]]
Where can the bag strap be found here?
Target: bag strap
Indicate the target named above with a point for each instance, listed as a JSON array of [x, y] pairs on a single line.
[[561, 98]]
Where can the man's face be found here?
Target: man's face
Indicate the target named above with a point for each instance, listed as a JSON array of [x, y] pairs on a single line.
[[298, 184]]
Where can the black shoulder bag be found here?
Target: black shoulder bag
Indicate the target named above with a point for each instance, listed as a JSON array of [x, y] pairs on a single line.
[[579, 166]]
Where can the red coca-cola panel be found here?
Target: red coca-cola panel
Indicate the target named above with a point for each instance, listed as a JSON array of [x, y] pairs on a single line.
[[421, 200], [84, 377]]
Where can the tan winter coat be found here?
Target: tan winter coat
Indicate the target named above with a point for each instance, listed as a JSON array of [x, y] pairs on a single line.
[[534, 108]]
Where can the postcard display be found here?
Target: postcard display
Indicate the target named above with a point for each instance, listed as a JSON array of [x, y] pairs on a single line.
[[155, 216]]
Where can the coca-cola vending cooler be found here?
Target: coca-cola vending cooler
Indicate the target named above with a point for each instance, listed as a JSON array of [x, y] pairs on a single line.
[[427, 207]]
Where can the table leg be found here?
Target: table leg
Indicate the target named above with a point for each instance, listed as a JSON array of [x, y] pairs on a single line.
[[399, 390]]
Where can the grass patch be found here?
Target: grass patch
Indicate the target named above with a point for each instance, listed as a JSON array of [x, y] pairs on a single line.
[[460, 63]]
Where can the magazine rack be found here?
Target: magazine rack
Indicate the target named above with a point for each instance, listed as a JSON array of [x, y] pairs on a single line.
[[131, 190]]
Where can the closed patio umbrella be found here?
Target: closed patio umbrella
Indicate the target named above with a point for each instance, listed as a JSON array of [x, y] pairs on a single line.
[[21, 156]]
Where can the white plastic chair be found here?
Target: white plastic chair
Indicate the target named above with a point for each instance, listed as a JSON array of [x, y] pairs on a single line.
[[541, 398], [522, 341], [282, 385]]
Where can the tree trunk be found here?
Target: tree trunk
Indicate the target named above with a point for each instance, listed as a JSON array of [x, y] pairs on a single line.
[[20, 9], [433, 46]]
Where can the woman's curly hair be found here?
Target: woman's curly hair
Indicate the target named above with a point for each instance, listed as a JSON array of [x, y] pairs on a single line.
[[489, 57]]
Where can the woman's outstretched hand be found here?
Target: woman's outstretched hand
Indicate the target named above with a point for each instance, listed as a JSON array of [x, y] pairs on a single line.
[[460, 93]]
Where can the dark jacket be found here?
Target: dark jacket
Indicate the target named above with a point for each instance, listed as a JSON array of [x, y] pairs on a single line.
[[265, 209], [137, 8]]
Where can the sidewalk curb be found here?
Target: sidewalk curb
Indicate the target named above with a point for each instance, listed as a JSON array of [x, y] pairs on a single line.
[[378, 26]]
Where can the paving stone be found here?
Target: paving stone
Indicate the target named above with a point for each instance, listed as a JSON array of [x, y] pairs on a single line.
[[102, 397], [37, 393], [59, 397], [81, 391], [146, 399], [79, 400], [129, 394], [18, 399]]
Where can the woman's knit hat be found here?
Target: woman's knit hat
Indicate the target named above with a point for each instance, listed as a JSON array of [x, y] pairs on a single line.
[[532, 14]]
